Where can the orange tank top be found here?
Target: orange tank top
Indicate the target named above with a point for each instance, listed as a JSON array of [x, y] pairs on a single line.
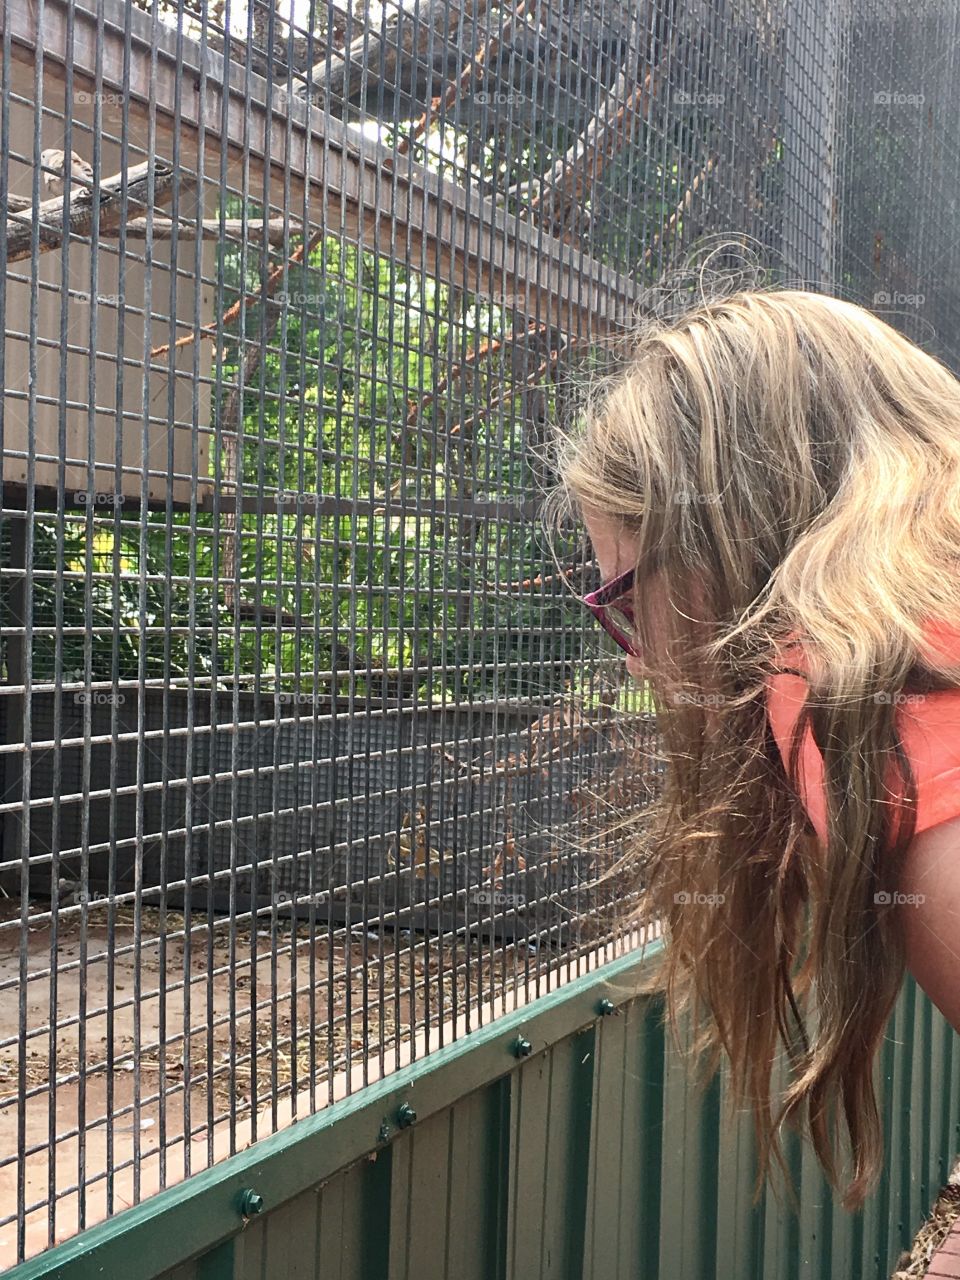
[[929, 728]]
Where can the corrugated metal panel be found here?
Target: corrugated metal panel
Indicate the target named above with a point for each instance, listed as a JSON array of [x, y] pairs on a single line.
[[594, 1157]]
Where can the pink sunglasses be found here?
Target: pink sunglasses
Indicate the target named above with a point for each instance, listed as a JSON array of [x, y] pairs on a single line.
[[614, 611]]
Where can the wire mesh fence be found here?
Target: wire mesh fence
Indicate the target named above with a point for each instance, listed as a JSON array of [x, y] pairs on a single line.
[[304, 741]]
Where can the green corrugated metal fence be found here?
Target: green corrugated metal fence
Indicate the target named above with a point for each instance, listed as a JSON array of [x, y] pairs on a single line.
[[592, 1156]]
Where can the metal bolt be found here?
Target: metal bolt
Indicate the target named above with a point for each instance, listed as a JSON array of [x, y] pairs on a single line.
[[405, 1115], [522, 1047], [605, 1006], [251, 1203], [384, 1133]]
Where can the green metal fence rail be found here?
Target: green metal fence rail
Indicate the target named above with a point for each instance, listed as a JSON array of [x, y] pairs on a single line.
[[564, 1139]]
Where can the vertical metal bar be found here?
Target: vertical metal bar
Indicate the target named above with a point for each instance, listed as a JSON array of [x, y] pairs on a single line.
[[236, 589], [55, 834], [335, 648], [315, 842], [221, 452], [266, 331], [13, 652], [192, 825], [301, 516], [26, 674], [372, 724], [142, 565]]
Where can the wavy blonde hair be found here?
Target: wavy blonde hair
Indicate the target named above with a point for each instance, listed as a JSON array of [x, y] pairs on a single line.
[[788, 463]]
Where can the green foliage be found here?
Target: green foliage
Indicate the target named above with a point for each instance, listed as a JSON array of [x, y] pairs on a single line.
[[368, 562], [380, 419]]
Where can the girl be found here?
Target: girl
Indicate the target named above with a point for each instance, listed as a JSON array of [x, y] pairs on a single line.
[[772, 490]]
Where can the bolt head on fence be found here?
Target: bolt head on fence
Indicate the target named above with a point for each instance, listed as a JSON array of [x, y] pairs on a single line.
[[405, 1115], [251, 1203]]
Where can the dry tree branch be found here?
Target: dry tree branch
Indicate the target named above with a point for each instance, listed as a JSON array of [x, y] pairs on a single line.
[[113, 210], [210, 330], [374, 58], [529, 382], [458, 87], [274, 230], [682, 207], [230, 433], [570, 181], [233, 409], [416, 409], [541, 580]]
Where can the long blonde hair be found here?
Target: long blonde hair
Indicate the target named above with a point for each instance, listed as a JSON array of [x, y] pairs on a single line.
[[790, 464]]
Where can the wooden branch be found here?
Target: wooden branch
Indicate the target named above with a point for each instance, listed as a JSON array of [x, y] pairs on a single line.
[[681, 208], [528, 384], [458, 87], [229, 430], [232, 414], [568, 183], [255, 229], [571, 179], [415, 408], [300, 254], [540, 580], [112, 211], [362, 60]]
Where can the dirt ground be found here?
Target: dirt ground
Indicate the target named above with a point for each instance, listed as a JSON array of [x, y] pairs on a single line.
[[190, 1063]]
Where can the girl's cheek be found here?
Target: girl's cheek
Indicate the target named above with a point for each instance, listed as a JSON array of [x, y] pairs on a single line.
[[635, 668]]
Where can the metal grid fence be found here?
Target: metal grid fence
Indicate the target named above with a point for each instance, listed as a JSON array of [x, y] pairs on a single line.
[[303, 742]]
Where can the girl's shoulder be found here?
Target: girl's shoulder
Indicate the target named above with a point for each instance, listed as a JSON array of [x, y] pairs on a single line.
[[942, 641], [929, 725]]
